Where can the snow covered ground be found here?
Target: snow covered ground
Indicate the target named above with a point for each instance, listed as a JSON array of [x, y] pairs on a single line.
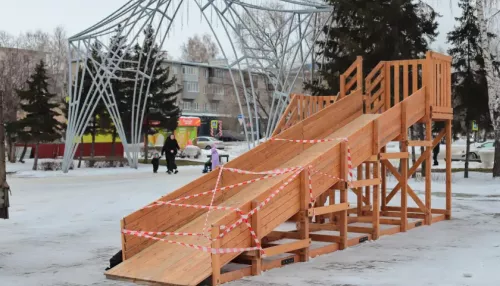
[[64, 228]]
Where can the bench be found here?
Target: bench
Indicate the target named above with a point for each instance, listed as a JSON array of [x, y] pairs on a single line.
[[220, 157]]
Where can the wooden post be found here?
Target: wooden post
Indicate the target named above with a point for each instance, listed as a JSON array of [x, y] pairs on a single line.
[[215, 257], [383, 174], [367, 188], [428, 164], [255, 221], [344, 171], [376, 188], [387, 86], [448, 169], [360, 192], [303, 216], [342, 86], [404, 168], [331, 198]]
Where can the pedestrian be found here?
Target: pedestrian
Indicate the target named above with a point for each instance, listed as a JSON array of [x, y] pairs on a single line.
[[155, 162], [170, 148], [215, 157], [435, 152]]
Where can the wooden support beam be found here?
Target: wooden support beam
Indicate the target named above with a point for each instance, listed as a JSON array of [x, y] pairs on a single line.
[[448, 168], [428, 179], [279, 262], [328, 209], [403, 179], [303, 217], [256, 225], [216, 265], [376, 203], [427, 143], [324, 250], [383, 174], [235, 274], [325, 238], [391, 221], [365, 183], [371, 159], [367, 176], [285, 248], [360, 219], [344, 171], [359, 193], [390, 231], [399, 155]]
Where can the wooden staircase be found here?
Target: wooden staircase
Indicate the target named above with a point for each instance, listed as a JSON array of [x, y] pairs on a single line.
[[357, 127]]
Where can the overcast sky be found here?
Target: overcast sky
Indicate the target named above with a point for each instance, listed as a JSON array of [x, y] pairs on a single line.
[[75, 15]]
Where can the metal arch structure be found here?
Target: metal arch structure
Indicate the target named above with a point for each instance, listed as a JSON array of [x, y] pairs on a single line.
[[253, 49]]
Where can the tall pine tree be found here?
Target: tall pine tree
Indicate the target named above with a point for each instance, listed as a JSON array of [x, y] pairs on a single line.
[[378, 30], [40, 109], [162, 91], [470, 90]]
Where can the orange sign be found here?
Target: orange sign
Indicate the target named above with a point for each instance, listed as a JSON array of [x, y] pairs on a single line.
[[189, 121]]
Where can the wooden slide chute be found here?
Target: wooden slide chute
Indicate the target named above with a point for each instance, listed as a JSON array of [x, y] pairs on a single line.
[[357, 127]]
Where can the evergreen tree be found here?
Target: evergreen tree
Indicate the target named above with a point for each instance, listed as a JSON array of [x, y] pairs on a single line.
[[40, 110], [162, 94], [378, 30], [470, 90]]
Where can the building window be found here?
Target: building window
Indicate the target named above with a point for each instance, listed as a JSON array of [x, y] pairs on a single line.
[[215, 106], [191, 86], [206, 73], [186, 105], [190, 70], [219, 90], [175, 70], [205, 107], [196, 106], [220, 73]]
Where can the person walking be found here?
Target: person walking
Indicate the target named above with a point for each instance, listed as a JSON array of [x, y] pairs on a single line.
[[435, 152], [170, 148], [155, 162], [215, 157]]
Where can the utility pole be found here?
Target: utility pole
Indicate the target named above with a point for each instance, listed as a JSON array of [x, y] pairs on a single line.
[[4, 187]]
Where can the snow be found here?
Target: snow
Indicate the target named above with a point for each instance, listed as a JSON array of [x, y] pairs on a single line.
[[64, 228]]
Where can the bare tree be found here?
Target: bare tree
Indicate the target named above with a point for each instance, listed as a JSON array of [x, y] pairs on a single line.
[[199, 49]]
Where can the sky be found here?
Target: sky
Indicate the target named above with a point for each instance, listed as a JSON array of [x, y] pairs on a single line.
[[77, 15]]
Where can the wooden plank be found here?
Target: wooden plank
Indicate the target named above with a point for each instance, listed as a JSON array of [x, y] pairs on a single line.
[[364, 183], [448, 169], [422, 143], [403, 179], [344, 169], [390, 231], [284, 248], [442, 116], [324, 250], [256, 268], [304, 220], [278, 263], [390, 221], [235, 275], [387, 77], [216, 265], [438, 218], [414, 74], [398, 155], [442, 109], [325, 238], [405, 80], [428, 179], [367, 179], [372, 158], [359, 194], [328, 209], [383, 186], [376, 203], [396, 83]]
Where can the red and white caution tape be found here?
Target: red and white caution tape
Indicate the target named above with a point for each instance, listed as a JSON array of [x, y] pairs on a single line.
[[162, 233], [198, 247], [276, 171], [219, 208], [312, 141], [213, 197]]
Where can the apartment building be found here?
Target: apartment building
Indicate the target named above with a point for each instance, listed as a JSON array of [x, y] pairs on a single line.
[[209, 93]]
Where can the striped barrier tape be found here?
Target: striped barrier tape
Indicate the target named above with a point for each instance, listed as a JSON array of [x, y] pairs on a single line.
[[313, 141], [195, 246], [276, 171], [213, 198]]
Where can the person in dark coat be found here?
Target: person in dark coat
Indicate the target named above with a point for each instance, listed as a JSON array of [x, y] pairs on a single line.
[[435, 152], [170, 148], [155, 162]]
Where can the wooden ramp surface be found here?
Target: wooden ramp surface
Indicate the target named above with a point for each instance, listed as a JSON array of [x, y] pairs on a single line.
[[171, 264]]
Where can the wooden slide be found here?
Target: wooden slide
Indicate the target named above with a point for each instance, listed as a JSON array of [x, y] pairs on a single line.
[[357, 126]]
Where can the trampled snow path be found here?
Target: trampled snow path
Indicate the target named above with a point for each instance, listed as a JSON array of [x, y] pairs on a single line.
[[64, 229]]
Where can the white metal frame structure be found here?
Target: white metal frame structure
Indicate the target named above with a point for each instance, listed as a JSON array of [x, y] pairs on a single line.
[[252, 49]]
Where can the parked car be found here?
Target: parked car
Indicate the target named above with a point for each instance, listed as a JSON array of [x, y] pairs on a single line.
[[206, 142], [474, 150], [231, 136]]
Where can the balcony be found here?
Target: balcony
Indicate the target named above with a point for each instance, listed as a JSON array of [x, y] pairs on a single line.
[[220, 80], [189, 95]]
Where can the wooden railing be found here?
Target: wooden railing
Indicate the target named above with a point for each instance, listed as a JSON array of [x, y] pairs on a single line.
[[300, 108], [352, 78], [391, 82]]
